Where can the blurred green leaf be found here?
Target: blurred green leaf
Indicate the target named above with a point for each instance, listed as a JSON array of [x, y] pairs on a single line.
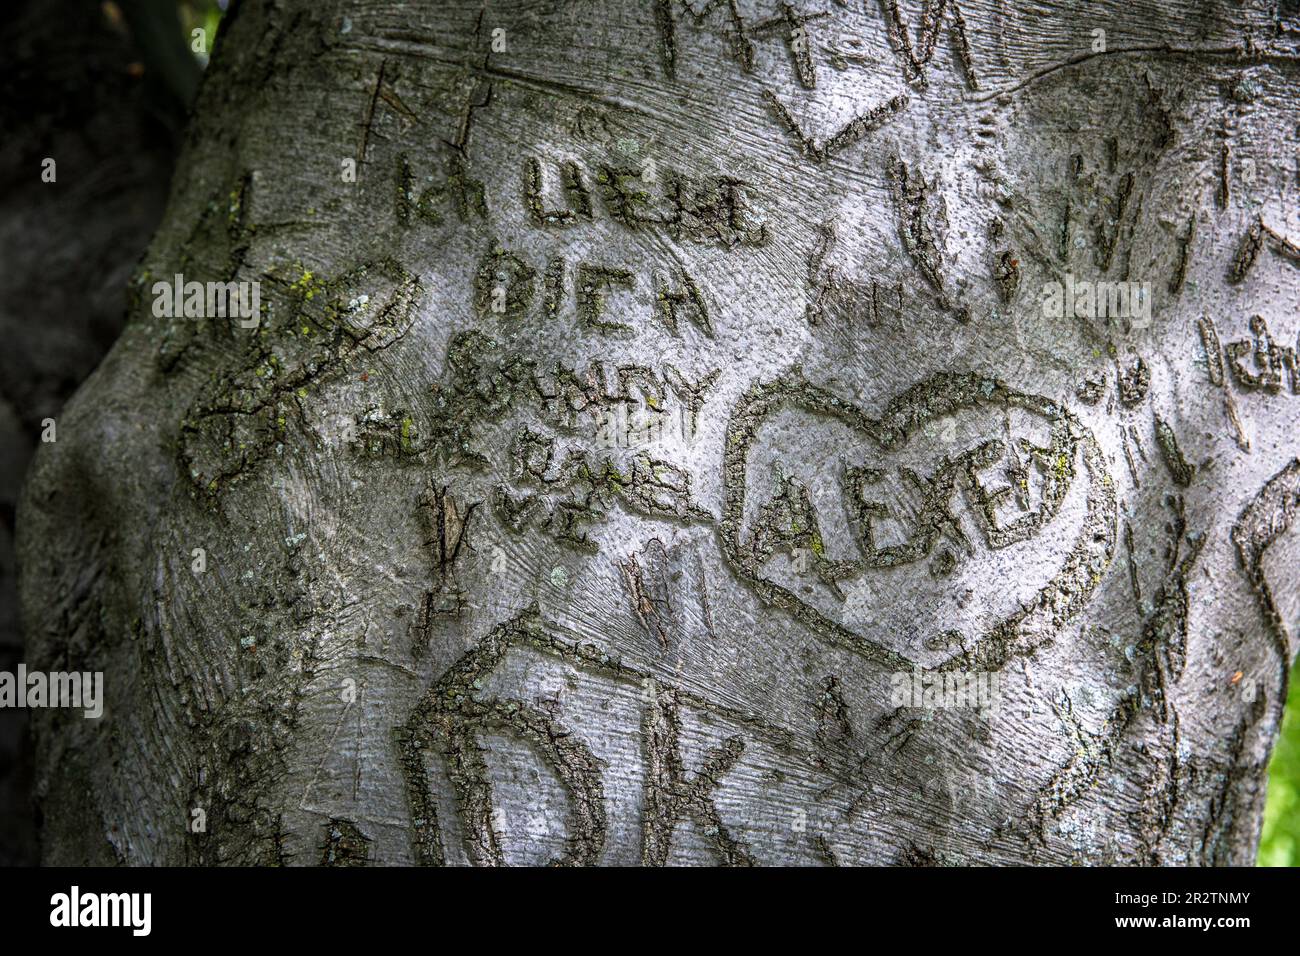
[[1280, 843]]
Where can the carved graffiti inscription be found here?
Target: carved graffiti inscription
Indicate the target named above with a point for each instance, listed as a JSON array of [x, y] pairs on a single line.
[[956, 467]]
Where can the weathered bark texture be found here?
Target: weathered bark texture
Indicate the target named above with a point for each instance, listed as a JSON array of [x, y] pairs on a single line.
[[670, 379], [67, 92]]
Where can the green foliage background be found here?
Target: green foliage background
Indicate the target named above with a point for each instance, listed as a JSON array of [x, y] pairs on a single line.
[[1280, 844]]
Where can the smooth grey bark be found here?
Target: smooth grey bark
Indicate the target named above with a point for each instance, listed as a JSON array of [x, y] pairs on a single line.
[[461, 603], [67, 93]]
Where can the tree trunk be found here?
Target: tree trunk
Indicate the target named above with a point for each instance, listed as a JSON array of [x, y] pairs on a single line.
[[74, 95], [696, 434]]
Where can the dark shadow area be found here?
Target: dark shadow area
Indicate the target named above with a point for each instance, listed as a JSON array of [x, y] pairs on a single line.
[[77, 88]]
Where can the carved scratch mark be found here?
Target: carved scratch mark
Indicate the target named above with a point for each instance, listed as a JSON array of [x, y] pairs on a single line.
[[1257, 237], [849, 134], [370, 112], [671, 796], [650, 590], [916, 59], [1263, 521], [1173, 456]]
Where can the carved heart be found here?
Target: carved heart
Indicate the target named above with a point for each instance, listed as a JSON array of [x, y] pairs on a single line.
[[846, 581]]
